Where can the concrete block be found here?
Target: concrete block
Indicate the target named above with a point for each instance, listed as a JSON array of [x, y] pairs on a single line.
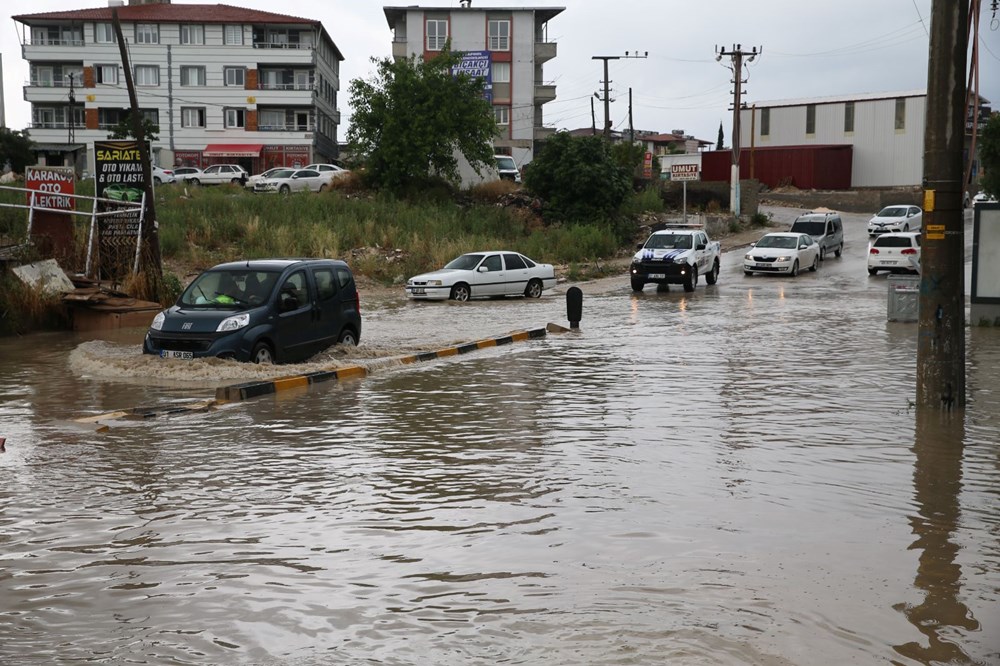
[[46, 275]]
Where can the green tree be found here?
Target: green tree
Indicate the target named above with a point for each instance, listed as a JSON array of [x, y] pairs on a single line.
[[15, 148], [412, 117], [123, 130], [579, 178], [718, 144], [989, 155]]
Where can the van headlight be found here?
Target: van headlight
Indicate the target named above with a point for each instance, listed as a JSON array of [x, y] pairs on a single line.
[[158, 320], [234, 323]]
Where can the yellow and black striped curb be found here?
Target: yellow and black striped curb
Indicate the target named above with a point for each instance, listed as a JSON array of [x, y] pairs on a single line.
[[256, 389]]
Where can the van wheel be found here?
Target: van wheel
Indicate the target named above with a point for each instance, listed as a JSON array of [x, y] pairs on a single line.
[[712, 276], [822, 253], [348, 337], [534, 289], [262, 354], [460, 292], [840, 250], [692, 280]]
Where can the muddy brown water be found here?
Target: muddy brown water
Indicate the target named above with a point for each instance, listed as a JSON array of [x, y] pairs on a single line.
[[733, 476]]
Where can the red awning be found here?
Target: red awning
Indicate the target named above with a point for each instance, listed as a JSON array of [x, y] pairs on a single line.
[[232, 150]]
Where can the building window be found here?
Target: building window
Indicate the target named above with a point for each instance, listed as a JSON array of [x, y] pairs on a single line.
[[271, 120], [499, 35], [104, 33], [192, 34], [235, 76], [192, 76], [765, 122], [901, 113], [810, 119], [147, 33], [437, 34], [234, 117], [107, 74], [192, 117], [501, 80], [502, 115], [234, 35], [849, 117], [147, 75], [152, 115]]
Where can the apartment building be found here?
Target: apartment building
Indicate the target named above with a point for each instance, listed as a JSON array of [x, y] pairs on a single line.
[[511, 46], [224, 84]]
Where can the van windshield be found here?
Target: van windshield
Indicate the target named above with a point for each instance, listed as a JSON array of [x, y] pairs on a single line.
[[506, 164], [237, 289], [811, 227]]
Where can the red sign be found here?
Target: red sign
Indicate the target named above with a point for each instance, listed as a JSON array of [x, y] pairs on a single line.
[[51, 186], [684, 172], [647, 165]]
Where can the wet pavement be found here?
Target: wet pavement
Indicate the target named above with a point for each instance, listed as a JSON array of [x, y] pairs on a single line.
[[732, 476]]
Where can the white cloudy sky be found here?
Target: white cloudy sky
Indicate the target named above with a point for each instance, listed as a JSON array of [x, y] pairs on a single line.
[[810, 49]]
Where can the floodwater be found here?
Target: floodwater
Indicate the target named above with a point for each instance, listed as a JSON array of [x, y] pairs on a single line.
[[733, 476]]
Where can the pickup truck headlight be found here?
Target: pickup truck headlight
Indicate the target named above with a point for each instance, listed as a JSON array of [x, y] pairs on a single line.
[[234, 323]]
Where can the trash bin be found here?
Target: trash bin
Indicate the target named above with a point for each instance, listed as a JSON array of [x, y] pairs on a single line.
[[904, 297]]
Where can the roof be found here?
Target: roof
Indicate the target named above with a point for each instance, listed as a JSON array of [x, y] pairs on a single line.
[[160, 12], [393, 14], [835, 99], [668, 138]]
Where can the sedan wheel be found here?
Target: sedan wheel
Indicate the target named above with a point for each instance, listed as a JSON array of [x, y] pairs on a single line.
[[460, 292], [284, 189], [795, 269], [815, 264], [534, 289]]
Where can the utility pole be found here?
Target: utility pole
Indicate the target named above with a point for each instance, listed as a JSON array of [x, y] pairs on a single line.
[[631, 127], [941, 339], [71, 134], [607, 84], [736, 56], [593, 118]]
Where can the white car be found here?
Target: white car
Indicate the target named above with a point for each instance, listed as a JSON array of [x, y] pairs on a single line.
[[162, 176], [479, 274], [287, 181], [895, 252], [253, 180], [982, 198], [893, 219], [332, 169], [219, 174], [783, 252]]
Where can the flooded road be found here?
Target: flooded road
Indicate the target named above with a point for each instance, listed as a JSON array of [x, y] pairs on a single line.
[[733, 476]]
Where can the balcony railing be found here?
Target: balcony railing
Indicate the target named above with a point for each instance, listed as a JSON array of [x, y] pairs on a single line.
[[53, 83], [54, 124], [262, 85], [287, 127], [279, 45], [55, 42]]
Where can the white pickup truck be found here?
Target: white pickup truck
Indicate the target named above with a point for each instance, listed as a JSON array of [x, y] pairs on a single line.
[[676, 255]]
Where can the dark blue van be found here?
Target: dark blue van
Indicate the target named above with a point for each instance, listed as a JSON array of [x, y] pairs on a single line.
[[262, 310]]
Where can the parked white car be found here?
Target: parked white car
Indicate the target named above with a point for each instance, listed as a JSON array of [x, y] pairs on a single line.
[[219, 174], [253, 180], [982, 198], [783, 252], [478, 274], [162, 176], [895, 252], [287, 181], [333, 169], [893, 219]]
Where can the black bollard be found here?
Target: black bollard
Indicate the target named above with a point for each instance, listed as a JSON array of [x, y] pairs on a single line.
[[574, 306]]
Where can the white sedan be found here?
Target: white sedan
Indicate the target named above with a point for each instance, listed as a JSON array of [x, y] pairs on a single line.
[[287, 181], [893, 219], [782, 253], [484, 274], [895, 252]]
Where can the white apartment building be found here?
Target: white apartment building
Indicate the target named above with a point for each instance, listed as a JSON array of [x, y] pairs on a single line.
[[513, 42], [224, 84]]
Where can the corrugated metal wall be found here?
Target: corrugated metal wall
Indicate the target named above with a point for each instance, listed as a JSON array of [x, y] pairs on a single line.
[[805, 167]]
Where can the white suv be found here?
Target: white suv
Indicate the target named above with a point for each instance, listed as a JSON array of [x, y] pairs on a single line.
[[219, 174]]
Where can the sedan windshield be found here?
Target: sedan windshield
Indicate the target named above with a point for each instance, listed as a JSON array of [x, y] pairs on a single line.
[[232, 289], [674, 241], [281, 173], [892, 212], [782, 242], [467, 262]]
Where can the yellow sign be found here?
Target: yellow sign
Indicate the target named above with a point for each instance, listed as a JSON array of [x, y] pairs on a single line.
[[91, 98], [935, 227], [935, 236], [928, 200], [251, 100]]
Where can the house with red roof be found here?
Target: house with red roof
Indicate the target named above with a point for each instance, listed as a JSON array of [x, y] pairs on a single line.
[[223, 83]]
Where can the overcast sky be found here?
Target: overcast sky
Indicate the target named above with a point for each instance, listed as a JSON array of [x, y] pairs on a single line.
[[810, 49]]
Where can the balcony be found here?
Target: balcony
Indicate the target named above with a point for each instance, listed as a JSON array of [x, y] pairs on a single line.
[[544, 93], [288, 127], [264, 85], [544, 51], [543, 133], [399, 49]]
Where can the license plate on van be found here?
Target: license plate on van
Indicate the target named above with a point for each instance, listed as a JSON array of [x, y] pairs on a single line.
[[656, 276], [170, 353]]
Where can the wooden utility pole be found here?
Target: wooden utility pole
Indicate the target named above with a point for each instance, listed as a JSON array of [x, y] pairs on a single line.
[[151, 264], [736, 56], [941, 343]]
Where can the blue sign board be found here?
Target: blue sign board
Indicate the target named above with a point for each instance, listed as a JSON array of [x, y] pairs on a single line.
[[477, 64]]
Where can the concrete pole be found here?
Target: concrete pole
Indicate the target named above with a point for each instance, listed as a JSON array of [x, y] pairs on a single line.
[[941, 343]]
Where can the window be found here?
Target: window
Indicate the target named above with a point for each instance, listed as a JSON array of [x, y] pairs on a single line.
[[45, 117], [811, 119], [192, 76], [848, 117], [437, 34], [147, 33], [502, 115], [271, 120], [901, 113], [192, 34], [234, 35], [501, 80], [326, 285], [235, 76], [147, 75], [513, 262], [152, 115], [492, 263], [234, 117], [192, 117], [499, 35], [107, 74], [765, 122], [44, 77], [104, 33]]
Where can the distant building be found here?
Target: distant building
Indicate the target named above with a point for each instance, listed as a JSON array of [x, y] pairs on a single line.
[[513, 42], [224, 84]]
